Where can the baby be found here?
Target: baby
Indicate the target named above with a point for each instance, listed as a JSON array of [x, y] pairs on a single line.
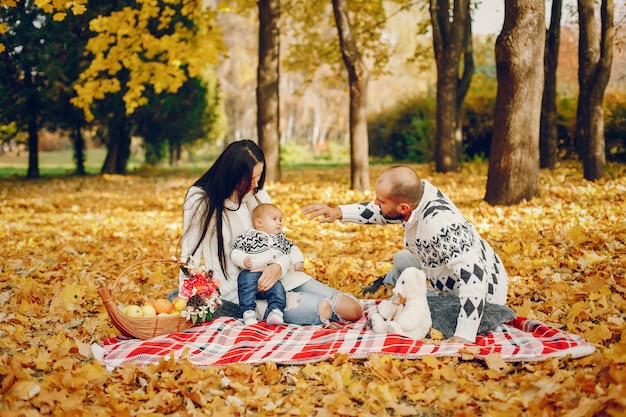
[[257, 248]]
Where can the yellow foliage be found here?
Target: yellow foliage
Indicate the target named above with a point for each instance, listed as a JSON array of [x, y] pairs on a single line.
[[511, 247], [124, 41], [71, 295], [598, 333]]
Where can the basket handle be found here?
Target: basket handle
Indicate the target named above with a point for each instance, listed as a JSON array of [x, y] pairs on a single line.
[[136, 264]]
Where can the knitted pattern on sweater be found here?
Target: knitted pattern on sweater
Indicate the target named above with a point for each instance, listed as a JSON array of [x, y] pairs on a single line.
[[456, 259], [264, 249]]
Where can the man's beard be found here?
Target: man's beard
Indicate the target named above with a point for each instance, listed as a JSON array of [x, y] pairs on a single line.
[[393, 216]]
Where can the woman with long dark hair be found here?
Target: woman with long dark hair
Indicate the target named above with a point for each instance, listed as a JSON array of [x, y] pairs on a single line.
[[218, 208]]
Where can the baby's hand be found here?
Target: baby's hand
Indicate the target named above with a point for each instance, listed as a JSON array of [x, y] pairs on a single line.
[[298, 266], [247, 262]]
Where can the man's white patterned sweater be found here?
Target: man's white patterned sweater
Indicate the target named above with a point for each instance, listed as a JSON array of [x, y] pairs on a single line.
[[265, 249], [455, 258]]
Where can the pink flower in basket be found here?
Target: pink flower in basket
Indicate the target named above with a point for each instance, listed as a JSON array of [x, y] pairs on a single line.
[[200, 283], [201, 293]]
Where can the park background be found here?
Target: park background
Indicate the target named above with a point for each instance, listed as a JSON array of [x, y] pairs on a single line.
[[64, 235], [219, 105]]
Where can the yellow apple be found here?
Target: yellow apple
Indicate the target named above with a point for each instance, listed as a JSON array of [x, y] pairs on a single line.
[[179, 304], [148, 310], [133, 311]]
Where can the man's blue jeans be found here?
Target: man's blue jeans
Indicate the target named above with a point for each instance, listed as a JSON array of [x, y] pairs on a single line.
[[248, 290], [402, 260]]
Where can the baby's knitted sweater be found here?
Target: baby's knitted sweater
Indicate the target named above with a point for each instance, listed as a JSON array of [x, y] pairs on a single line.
[[456, 260], [264, 249]]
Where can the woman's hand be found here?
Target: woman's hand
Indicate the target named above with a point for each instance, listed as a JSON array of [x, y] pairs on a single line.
[[325, 213], [270, 276]]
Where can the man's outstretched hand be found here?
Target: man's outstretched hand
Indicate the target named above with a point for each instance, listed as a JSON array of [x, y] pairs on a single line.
[[325, 213]]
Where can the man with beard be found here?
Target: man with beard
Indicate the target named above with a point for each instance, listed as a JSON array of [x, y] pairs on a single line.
[[437, 237]]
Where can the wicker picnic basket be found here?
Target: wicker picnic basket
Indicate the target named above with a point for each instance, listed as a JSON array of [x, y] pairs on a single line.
[[144, 327]]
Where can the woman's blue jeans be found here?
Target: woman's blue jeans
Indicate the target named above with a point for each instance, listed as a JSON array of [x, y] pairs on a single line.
[[303, 302]]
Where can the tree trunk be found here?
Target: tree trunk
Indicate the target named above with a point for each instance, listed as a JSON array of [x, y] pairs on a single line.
[[33, 107], [267, 97], [33, 149], [446, 158], [595, 57], [464, 83], [358, 76], [118, 147], [514, 158], [79, 149], [449, 42], [175, 154], [108, 166], [548, 138]]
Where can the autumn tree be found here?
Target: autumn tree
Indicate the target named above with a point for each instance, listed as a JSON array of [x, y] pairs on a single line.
[[170, 120], [513, 173], [160, 45], [595, 55], [548, 137], [68, 38], [24, 86], [359, 25], [452, 40], [358, 77], [59, 9], [268, 76]]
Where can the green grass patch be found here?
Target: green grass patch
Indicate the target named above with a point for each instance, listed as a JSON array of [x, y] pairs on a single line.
[[55, 163], [61, 163]]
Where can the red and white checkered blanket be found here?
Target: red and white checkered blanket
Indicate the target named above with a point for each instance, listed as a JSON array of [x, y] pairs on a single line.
[[225, 340]]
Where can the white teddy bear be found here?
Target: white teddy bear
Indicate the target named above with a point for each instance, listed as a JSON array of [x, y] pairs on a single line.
[[408, 313]]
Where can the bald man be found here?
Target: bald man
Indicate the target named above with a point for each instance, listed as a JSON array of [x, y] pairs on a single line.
[[437, 237]]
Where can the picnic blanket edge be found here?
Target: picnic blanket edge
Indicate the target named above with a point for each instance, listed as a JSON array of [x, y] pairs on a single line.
[[579, 349]]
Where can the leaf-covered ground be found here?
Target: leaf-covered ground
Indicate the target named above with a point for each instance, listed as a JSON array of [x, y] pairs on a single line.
[[63, 238]]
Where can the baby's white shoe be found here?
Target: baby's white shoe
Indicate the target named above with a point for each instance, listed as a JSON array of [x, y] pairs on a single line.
[[275, 317], [249, 318]]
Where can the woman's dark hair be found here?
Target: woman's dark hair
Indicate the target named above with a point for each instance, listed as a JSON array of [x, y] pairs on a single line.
[[231, 171]]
